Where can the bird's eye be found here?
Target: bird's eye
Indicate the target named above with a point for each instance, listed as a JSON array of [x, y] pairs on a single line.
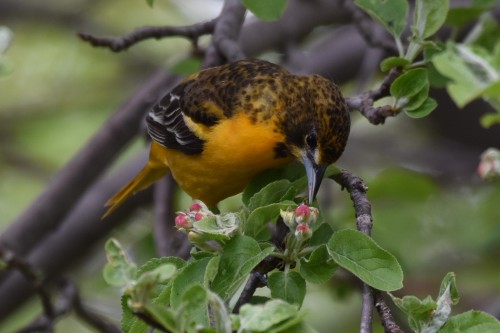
[[312, 140]]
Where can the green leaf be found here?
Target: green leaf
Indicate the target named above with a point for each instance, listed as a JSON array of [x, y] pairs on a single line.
[[418, 99], [290, 172], [489, 119], [471, 322], [419, 312], [150, 3], [360, 255], [128, 317], [220, 227], [471, 73], [288, 286], [321, 235], [429, 16], [220, 313], [271, 193], [192, 274], [391, 14], [194, 306], [241, 254], [259, 218], [319, 267], [161, 315], [261, 318], [423, 110], [119, 271], [267, 10], [409, 83], [159, 275], [449, 282], [391, 62]]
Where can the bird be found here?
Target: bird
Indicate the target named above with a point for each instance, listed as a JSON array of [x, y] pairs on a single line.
[[220, 127]]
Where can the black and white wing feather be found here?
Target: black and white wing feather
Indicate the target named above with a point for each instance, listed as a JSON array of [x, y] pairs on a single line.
[[166, 124]]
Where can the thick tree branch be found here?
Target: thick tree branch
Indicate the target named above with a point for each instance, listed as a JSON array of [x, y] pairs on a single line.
[[117, 44], [47, 212], [224, 40]]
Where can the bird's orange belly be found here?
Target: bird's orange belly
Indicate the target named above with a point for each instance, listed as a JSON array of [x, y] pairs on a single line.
[[234, 152]]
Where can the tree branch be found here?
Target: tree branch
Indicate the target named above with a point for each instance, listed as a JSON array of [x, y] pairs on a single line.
[[385, 314], [364, 102], [117, 44], [357, 190], [226, 32], [168, 241]]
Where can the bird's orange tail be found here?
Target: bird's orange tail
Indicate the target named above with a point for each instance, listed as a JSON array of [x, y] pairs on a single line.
[[148, 175]]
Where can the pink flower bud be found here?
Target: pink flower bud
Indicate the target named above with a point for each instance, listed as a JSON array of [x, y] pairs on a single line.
[[195, 207], [302, 213], [182, 221], [198, 216], [303, 232]]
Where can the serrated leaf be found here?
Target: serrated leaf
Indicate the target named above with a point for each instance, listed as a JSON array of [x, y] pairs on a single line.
[[119, 271], [319, 267], [423, 110], [429, 16], [391, 14], [288, 286], [128, 317], [161, 315], [241, 254], [191, 274], [261, 318], [471, 322], [266, 10], [360, 255], [258, 219], [392, 62], [409, 83]]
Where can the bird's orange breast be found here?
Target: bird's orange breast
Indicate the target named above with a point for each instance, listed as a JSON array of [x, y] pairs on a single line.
[[235, 150]]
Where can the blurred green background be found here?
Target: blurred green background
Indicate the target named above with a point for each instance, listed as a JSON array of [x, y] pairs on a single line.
[[58, 90]]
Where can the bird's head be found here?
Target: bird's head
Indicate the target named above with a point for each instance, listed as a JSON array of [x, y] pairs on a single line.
[[318, 132]]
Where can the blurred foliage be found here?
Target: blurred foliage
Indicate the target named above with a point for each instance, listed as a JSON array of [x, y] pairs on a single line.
[[58, 91]]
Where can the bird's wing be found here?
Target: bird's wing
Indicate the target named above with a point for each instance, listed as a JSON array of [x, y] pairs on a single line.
[[167, 123]]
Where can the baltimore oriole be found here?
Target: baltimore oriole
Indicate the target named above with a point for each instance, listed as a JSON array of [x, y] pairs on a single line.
[[222, 126]]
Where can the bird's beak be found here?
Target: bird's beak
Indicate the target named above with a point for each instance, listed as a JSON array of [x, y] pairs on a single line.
[[314, 174]]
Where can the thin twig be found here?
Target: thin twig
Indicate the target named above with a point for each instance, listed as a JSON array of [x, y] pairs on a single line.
[[117, 44], [385, 314], [33, 276], [168, 241], [255, 281], [364, 102]]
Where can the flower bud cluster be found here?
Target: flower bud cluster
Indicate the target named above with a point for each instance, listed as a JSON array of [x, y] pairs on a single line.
[[197, 211], [300, 220], [489, 167]]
